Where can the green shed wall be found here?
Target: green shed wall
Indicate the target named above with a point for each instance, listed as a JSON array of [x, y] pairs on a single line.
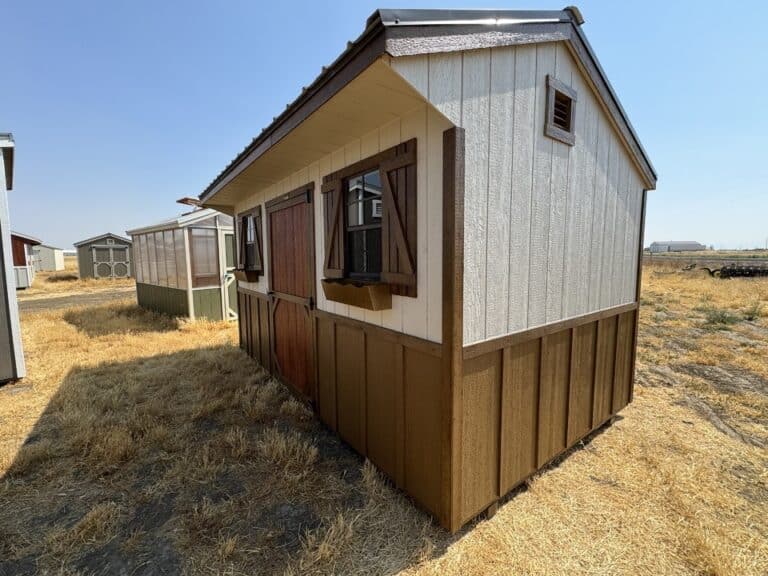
[[207, 303], [171, 301]]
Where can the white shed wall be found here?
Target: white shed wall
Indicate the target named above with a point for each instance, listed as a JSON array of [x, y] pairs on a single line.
[[11, 352], [421, 316], [48, 259], [551, 231]]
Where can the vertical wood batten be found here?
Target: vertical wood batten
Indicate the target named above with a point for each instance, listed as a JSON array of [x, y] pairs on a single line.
[[558, 205], [475, 110], [522, 187], [453, 311], [501, 152], [540, 210]]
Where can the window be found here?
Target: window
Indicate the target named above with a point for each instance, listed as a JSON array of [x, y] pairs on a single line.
[[250, 256], [110, 241], [561, 108], [363, 225], [370, 222], [204, 256]]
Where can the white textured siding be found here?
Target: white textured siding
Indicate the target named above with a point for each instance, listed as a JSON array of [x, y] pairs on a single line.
[[11, 354], [421, 316], [551, 231]]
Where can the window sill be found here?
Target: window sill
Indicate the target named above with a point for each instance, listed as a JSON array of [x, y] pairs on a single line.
[[367, 295], [247, 275]]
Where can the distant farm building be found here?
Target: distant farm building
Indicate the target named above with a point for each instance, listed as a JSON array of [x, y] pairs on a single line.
[[24, 258], [48, 258], [11, 354], [105, 256], [185, 266], [676, 246]]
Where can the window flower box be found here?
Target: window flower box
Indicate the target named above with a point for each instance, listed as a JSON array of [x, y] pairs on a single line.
[[368, 295]]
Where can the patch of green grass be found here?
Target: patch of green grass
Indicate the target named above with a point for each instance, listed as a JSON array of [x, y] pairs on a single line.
[[719, 319]]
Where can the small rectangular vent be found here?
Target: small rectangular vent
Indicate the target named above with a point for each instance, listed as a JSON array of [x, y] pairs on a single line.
[[560, 111], [562, 116]]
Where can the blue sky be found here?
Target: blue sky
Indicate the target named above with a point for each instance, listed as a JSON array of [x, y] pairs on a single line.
[[120, 108]]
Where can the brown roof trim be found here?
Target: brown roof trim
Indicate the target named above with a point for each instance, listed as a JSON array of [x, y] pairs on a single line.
[[410, 32]]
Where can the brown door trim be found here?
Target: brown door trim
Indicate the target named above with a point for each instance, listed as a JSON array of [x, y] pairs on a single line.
[[302, 195]]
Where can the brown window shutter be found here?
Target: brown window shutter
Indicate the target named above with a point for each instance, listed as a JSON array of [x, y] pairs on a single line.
[[240, 241], [259, 267], [333, 264], [398, 225]]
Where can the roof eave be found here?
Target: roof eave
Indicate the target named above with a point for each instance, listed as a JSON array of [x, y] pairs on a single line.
[[369, 45], [387, 33]]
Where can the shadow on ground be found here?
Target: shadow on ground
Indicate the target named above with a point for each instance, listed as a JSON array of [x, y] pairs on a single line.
[[197, 462], [111, 319], [194, 461]]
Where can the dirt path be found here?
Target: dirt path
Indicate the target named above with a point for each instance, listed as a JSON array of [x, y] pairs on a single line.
[[86, 299]]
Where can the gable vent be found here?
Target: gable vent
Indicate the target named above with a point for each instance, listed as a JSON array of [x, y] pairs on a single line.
[[562, 112]]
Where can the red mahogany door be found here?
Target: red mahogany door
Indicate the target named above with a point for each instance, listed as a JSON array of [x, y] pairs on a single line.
[[292, 284]]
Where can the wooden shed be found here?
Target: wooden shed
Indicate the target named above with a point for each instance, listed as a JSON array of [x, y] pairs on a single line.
[[439, 248], [24, 268], [105, 256], [185, 266], [11, 352]]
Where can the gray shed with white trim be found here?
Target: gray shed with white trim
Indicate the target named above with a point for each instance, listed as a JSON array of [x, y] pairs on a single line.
[[105, 256]]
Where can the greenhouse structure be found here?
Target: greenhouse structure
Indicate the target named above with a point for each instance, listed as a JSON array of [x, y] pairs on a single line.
[[185, 266]]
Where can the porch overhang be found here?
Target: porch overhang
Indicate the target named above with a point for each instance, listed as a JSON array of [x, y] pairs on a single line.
[[374, 97]]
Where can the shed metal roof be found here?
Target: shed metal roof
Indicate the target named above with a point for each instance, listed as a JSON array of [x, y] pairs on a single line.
[[187, 219], [102, 236], [401, 32]]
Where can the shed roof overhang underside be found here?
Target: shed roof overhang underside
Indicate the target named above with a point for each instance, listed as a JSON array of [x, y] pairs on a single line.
[[376, 96], [403, 32]]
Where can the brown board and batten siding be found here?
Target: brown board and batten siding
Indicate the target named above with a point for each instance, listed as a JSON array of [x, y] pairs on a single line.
[[529, 397], [380, 390], [254, 326]]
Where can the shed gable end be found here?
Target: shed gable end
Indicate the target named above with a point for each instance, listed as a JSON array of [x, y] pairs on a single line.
[[551, 229]]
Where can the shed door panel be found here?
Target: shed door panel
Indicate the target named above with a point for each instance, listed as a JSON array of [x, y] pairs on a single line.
[[291, 254]]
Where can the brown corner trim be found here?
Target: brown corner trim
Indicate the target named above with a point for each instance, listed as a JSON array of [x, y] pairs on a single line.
[[453, 325], [474, 350], [425, 346], [638, 292]]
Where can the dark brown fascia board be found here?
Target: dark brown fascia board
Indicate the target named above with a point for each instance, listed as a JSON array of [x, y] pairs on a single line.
[[412, 32], [357, 57]]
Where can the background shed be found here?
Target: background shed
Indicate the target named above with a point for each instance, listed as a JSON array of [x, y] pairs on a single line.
[[48, 258], [676, 246], [23, 258], [105, 256], [185, 266]]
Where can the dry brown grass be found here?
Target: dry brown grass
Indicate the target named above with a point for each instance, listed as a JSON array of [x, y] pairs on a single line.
[[67, 283], [141, 441]]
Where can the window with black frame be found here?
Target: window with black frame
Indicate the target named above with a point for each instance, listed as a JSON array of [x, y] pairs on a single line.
[[363, 225]]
